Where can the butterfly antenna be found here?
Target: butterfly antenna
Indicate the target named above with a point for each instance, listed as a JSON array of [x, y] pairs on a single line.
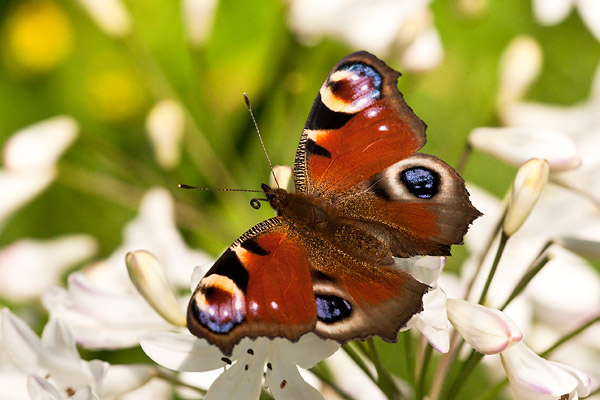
[[247, 100], [255, 203]]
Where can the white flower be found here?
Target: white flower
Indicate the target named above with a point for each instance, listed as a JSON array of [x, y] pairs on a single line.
[[198, 16], [45, 260], [520, 64], [432, 322], [551, 12], [381, 27], [244, 377], [56, 368], [533, 378], [165, 125], [581, 122], [111, 16], [487, 330], [101, 306], [29, 158], [527, 187]]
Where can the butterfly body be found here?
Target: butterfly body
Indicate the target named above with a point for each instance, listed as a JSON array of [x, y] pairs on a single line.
[[363, 196]]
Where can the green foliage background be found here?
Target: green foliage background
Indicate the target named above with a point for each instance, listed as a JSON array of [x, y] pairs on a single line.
[[251, 49]]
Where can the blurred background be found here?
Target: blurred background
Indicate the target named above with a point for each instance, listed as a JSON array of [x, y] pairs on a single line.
[[144, 94]]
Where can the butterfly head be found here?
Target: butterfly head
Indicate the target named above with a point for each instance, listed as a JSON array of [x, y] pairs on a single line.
[[277, 198]]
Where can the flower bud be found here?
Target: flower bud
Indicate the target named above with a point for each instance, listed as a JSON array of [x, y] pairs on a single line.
[[165, 127], [284, 174], [148, 276], [520, 65], [487, 330], [527, 187]]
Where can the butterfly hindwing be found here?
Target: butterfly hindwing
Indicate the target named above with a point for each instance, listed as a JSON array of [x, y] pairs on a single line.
[[359, 124], [419, 205], [260, 286]]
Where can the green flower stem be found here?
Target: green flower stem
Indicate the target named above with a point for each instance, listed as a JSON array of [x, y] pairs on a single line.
[[422, 377], [385, 381], [488, 282], [317, 370], [569, 336], [409, 355], [493, 393], [359, 361], [464, 157], [527, 277], [441, 373], [467, 367], [487, 249]]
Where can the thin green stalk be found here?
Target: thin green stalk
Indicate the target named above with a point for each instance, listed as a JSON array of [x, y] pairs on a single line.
[[317, 371], [422, 378], [488, 282], [385, 380], [569, 336], [527, 277], [467, 367], [409, 356], [464, 157], [359, 361], [492, 394]]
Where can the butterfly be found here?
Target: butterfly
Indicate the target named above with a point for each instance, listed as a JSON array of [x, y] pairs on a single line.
[[363, 195]]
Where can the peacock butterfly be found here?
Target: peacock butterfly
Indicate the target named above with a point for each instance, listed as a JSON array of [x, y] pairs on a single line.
[[363, 196]]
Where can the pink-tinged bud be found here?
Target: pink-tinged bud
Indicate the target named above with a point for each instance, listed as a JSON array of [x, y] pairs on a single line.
[[148, 276], [527, 187], [487, 330]]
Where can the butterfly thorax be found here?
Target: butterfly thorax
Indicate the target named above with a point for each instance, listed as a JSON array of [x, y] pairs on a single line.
[[303, 211]]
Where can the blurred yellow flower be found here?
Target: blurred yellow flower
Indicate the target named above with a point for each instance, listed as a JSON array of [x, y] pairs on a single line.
[[114, 95], [37, 36]]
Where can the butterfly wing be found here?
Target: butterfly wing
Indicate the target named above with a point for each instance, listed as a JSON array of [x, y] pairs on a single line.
[[356, 298], [260, 286], [358, 151], [359, 124], [418, 206]]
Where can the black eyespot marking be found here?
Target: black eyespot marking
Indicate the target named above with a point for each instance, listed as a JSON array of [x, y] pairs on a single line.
[[246, 367], [229, 265], [269, 366], [331, 309], [314, 149], [422, 182], [322, 117], [250, 351], [226, 360], [252, 246]]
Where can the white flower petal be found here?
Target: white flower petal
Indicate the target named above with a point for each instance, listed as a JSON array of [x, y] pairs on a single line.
[[44, 259], [198, 16], [550, 12], [589, 10], [181, 352], [111, 16], [243, 379], [19, 188], [40, 389], [531, 377], [121, 379], [425, 52], [298, 353], [39, 146], [85, 393], [285, 382], [165, 125], [284, 176], [520, 65], [487, 330], [21, 344], [425, 269], [583, 247], [99, 318], [516, 145], [432, 322], [57, 338]]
